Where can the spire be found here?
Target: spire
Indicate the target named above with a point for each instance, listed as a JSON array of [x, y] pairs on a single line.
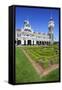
[[51, 19], [51, 16]]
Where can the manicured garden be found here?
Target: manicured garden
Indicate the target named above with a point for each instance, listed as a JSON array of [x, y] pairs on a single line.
[[44, 55]]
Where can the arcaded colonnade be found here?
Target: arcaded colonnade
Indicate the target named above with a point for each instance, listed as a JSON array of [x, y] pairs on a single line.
[[32, 42]]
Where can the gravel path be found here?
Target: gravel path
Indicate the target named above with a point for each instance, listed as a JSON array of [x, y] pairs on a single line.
[[39, 69]]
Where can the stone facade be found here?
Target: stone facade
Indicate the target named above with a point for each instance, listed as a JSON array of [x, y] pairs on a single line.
[[27, 36]]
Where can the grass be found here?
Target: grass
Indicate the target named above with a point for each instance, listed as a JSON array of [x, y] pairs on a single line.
[[44, 55], [52, 76], [24, 70]]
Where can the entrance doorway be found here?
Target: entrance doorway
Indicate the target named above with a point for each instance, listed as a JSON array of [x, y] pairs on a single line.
[[29, 42], [18, 42], [37, 42]]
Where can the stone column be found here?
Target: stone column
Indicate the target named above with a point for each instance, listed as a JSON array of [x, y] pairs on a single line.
[[22, 42], [34, 42], [26, 42], [31, 42]]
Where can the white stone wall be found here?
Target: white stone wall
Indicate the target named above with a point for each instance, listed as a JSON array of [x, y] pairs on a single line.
[[23, 35], [22, 42]]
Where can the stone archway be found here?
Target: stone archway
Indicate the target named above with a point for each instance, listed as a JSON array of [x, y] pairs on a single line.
[[29, 42], [18, 42], [37, 42], [42, 42]]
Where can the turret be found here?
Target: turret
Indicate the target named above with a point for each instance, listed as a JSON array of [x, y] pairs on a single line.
[[51, 29], [27, 26]]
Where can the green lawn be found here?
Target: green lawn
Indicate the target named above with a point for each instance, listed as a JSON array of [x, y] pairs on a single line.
[[24, 69], [53, 76]]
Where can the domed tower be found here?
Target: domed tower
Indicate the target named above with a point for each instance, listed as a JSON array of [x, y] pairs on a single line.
[[51, 28], [27, 26]]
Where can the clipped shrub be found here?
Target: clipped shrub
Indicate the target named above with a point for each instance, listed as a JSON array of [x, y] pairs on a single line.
[[54, 60], [44, 62]]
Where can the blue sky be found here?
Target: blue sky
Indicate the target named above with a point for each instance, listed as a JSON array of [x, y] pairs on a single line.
[[38, 18]]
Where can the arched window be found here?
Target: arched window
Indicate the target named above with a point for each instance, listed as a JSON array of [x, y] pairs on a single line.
[[18, 42]]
